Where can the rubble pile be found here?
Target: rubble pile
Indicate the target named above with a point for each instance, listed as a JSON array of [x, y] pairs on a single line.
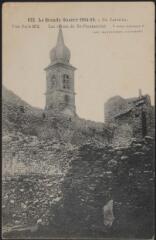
[[27, 199]]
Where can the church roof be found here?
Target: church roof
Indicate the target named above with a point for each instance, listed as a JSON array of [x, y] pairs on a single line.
[[60, 53]]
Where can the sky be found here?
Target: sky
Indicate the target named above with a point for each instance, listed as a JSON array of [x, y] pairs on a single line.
[[107, 63]]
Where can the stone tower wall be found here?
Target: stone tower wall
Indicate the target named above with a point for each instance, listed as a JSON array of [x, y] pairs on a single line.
[[57, 96], [113, 107]]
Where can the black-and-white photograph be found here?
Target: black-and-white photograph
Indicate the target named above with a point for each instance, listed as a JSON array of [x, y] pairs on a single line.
[[78, 120]]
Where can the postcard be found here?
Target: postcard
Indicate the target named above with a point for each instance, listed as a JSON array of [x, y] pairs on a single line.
[[78, 120]]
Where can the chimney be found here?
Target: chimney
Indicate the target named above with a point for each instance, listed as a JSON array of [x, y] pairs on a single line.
[[140, 93]]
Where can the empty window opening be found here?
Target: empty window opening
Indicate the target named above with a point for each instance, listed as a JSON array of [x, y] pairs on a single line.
[[66, 82]]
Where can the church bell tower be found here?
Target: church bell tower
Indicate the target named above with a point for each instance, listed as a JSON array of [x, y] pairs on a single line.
[[60, 94]]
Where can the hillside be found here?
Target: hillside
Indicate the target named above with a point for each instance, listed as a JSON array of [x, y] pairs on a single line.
[[16, 113]]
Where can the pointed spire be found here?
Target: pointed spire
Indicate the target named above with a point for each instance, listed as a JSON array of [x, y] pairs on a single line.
[[60, 40], [60, 52]]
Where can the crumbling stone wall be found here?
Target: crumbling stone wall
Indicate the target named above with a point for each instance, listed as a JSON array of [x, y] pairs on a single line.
[[34, 148], [123, 134], [27, 154], [133, 117], [69, 129], [33, 171], [94, 175], [97, 175]]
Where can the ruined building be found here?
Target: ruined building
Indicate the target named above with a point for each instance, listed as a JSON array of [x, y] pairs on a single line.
[[133, 117], [60, 94]]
